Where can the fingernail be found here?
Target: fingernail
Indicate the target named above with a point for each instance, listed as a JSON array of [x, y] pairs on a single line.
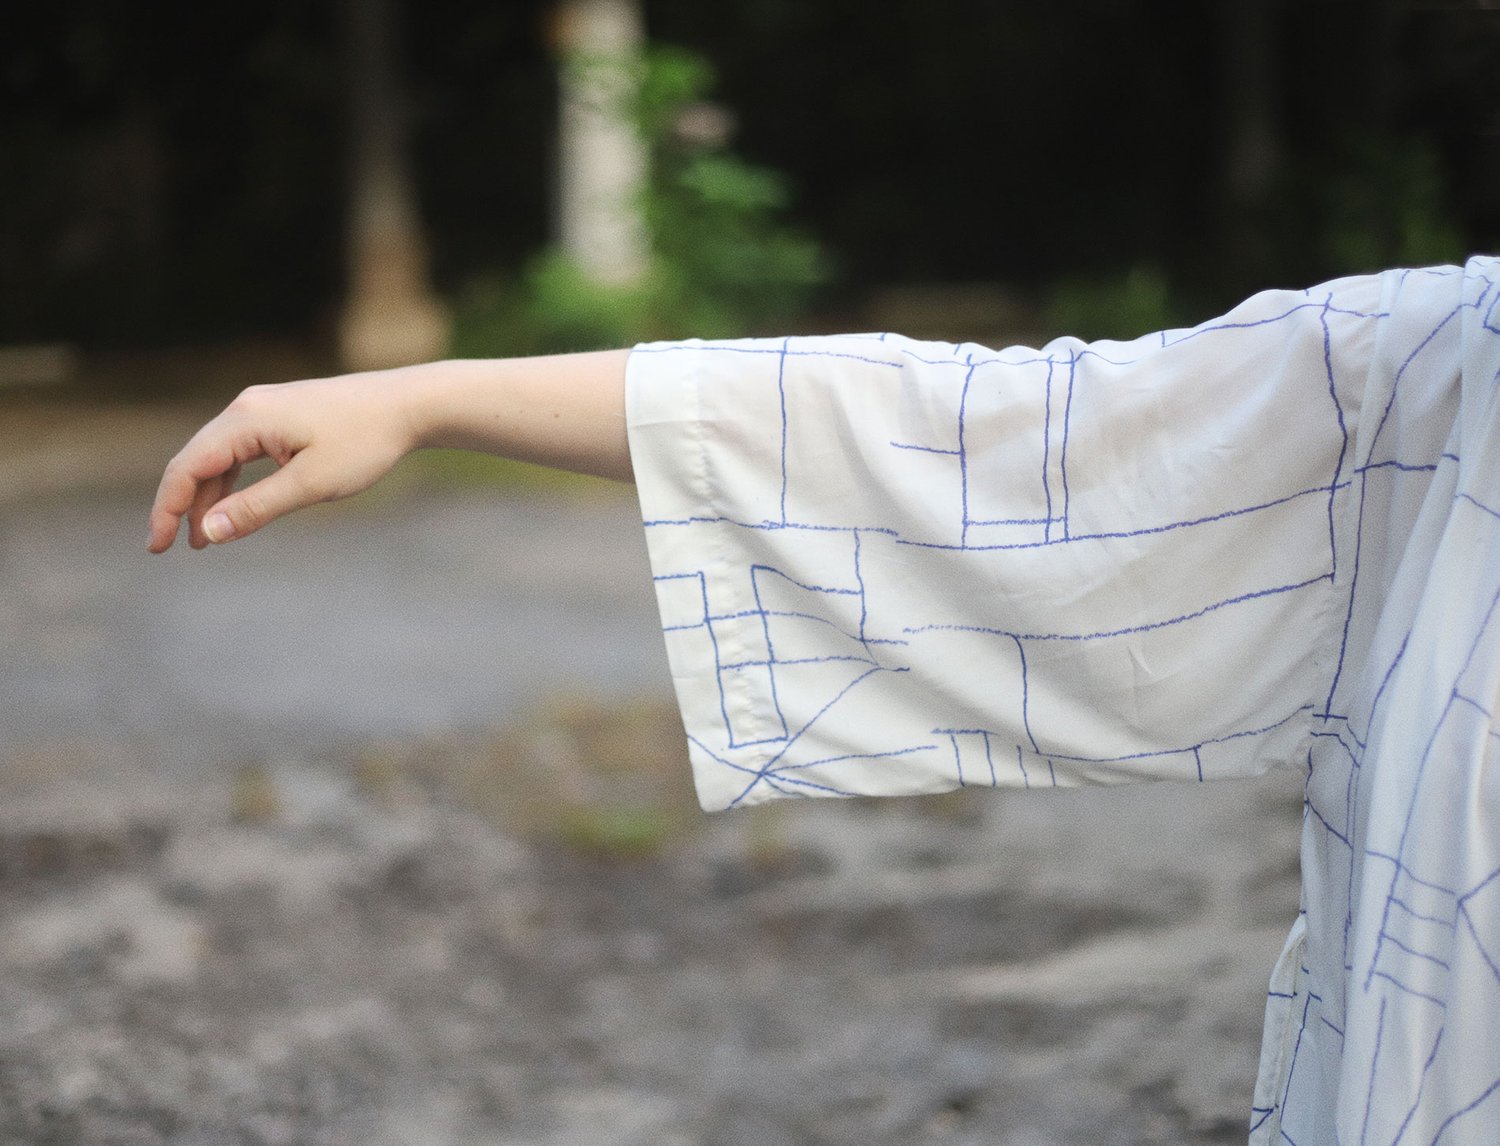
[[218, 527]]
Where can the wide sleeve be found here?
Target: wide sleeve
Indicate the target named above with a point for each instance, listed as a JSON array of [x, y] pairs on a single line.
[[886, 566]]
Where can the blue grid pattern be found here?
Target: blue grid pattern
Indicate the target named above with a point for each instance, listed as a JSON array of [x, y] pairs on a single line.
[[1355, 528]]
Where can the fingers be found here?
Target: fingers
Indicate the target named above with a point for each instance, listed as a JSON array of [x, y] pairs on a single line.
[[190, 478], [202, 474], [238, 514], [209, 494], [330, 438]]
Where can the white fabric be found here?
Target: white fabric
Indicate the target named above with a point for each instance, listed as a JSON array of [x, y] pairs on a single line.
[[887, 566]]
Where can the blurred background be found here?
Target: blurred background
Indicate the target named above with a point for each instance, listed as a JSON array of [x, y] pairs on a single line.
[[179, 175], [377, 828]]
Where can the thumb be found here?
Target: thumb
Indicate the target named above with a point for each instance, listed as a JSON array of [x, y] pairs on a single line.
[[257, 505]]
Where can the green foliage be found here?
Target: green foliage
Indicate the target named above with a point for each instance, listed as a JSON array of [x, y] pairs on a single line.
[[671, 79], [554, 307], [1375, 201], [723, 260], [1114, 306], [1385, 204], [727, 264], [617, 833], [727, 261]]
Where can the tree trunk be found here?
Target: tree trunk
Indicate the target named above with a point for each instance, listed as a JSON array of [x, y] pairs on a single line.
[[391, 316], [602, 160]]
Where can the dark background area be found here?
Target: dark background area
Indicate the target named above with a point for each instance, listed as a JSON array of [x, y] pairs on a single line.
[[175, 172], [379, 830]]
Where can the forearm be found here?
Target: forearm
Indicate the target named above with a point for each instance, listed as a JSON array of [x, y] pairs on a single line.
[[565, 410], [331, 437]]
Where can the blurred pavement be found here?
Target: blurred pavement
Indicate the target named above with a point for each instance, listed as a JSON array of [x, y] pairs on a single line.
[[247, 896]]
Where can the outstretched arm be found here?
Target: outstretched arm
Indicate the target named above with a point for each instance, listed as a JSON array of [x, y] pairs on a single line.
[[332, 437]]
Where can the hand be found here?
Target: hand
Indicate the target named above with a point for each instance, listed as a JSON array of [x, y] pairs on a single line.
[[329, 438], [332, 437]]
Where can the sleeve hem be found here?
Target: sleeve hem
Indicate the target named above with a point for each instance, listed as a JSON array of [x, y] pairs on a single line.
[[668, 431]]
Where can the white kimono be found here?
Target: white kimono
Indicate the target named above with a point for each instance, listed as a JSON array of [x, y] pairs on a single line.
[[888, 566]]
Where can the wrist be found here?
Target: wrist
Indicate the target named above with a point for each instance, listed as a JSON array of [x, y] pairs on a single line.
[[566, 411], [427, 402]]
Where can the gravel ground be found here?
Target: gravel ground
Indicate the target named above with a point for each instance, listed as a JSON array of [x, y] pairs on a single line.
[[351, 834]]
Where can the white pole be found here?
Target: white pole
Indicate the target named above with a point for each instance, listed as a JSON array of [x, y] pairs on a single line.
[[602, 161]]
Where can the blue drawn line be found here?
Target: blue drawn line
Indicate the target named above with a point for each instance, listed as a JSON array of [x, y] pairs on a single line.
[[1457, 1114], [1474, 704], [1156, 753], [1399, 943], [1128, 630], [830, 658], [718, 672], [771, 569], [1486, 322], [1401, 372], [958, 762], [1409, 990], [1380, 692], [864, 600], [1271, 320], [1359, 541], [1001, 521], [1421, 1086], [1338, 409], [1322, 819], [1411, 809], [1025, 696], [792, 614], [781, 392], [1471, 499], [765, 627], [1480, 886], [771, 526], [1111, 535], [1414, 953], [1047, 450], [729, 348], [1468, 918], [1291, 1070], [1403, 467], [797, 780], [1374, 1070], [1067, 422], [963, 456], [770, 764], [1338, 739], [783, 769], [923, 449], [1403, 869]]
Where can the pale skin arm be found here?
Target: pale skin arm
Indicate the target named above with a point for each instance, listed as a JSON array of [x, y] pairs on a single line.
[[332, 437]]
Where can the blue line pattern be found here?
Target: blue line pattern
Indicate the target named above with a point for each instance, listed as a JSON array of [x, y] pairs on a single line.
[[888, 566]]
